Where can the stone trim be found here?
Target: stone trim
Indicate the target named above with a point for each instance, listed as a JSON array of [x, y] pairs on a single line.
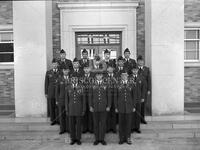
[[98, 5]]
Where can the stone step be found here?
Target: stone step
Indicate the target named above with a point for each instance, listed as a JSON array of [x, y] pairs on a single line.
[[193, 109], [45, 126], [172, 118], [7, 107], [192, 104], [53, 135], [7, 113]]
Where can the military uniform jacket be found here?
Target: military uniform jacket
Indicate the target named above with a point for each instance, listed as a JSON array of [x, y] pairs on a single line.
[[61, 87], [112, 87], [99, 99], [125, 100], [78, 74], [139, 87], [50, 83], [74, 100], [118, 71], [129, 65], [147, 77], [87, 81], [65, 64], [110, 63], [84, 64]]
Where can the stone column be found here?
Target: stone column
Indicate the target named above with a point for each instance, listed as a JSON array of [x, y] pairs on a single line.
[[32, 53], [164, 26]]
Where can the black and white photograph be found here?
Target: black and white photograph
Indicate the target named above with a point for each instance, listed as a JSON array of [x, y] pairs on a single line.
[[100, 74]]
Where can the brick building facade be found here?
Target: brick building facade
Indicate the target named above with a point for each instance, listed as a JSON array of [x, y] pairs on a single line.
[[192, 79], [6, 71], [192, 73]]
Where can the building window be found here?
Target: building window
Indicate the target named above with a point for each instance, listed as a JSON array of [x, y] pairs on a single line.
[[192, 44], [6, 46]]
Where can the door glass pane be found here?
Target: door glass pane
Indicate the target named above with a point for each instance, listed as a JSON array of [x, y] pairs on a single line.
[[98, 38]]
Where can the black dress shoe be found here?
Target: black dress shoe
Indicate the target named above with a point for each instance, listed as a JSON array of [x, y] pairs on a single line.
[[78, 142], [129, 141], [121, 142], [96, 143], [84, 132], [103, 142], [91, 132], [137, 131], [53, 123], [114, 131], [72, 142], [132, 130], [61, 132], [143, 122]]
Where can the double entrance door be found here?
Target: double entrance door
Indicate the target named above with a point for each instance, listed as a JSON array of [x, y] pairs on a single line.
[[96, 43]]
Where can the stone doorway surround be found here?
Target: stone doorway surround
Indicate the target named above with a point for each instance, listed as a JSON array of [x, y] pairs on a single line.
[[98, 16]]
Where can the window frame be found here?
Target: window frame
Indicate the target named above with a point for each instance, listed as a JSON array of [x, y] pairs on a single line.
[[7, 65], [192, 26]]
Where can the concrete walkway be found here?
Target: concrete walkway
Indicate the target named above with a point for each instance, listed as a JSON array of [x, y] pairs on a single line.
[[138, 144]]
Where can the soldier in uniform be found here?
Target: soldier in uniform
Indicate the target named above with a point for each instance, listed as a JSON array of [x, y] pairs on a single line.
[[50, 91], [139, 90], [88, 118], [128, 62], [124, 105], [107, 60], [144, 71], [84, 62], [63, 62], [112, 93], [120, 68], [61, 88], [76, 70], [99, 104], [75, 108]]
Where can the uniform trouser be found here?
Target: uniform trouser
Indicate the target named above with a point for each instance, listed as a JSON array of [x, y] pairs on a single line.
[[142, 111], [48, 107], [52, 109], [99, 125], [136, 117], [63, 119], [111, 119], [125, 126], [88, 120], [75, 127]]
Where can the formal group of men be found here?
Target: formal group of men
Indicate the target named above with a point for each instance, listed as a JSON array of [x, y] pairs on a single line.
[[97, 96]]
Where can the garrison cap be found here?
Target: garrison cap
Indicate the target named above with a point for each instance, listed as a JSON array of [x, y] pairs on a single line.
[[84, 51], [75, 60], [62, 51], [106, 51], [126, 50], [139, 57]]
